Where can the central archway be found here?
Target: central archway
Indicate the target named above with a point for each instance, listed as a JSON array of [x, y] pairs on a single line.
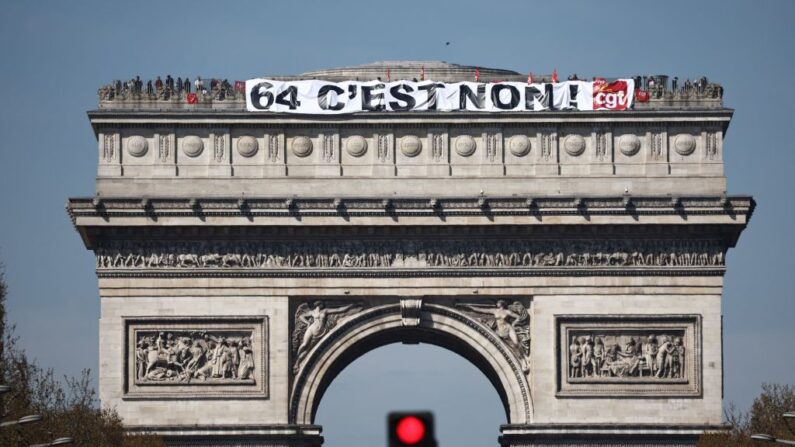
[[438, 325]]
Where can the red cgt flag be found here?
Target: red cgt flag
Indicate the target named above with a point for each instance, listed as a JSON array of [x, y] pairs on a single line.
[[529, 78], [555, 75], [240, 86], [477, 74], [192, 98]]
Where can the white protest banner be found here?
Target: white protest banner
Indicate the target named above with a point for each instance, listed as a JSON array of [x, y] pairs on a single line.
[[322, 97]]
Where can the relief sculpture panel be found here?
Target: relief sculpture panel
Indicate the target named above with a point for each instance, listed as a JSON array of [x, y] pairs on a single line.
[[195, 358], [629, 355]]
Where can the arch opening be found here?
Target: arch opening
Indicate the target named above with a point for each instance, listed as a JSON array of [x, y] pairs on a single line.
[[403, 377], [439, 326]]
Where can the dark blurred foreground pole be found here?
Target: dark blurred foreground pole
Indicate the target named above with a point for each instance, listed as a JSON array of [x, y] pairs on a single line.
[[30, 419], [789, 417], [411, 429]]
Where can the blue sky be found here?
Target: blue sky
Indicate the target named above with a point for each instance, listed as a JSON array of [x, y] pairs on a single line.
[[56, 54]]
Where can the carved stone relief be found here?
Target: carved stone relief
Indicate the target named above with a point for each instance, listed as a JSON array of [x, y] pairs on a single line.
[[712, 146], [163, 147], [410, 145], [437, 146], [491, 147], [219, 147], [273, 148], [574, 145], [601, 145], [302, 147], [192, 146], [328, 147], [547, 142], [462, 254], [356, 146], [629, 145], [684, 144], [629, 355], [519, 145], [312, 322], [247, 146], [137, 146], [196, 357], [656, 146], [465, 145], [511, 322], [383, 147], [108, 147], [626, 354], [184, 357]]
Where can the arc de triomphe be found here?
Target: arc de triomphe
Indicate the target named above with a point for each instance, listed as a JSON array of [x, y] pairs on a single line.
[[576, 258]]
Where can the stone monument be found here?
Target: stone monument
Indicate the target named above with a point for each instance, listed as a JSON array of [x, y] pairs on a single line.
[[576, 258]]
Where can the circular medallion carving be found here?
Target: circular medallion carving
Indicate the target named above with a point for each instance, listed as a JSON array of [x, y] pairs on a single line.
[[574, 145], [192, 146], [629, 145], [137, 146], [356, 146], [465, 145], [519, 145], [684, 144], [411, 146], [302, 146], [247, 146]]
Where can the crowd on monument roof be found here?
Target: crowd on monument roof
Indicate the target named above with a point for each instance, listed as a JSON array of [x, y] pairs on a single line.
[[169, 88]]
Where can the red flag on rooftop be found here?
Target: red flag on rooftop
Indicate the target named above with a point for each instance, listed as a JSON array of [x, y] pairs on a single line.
[[422, 73], [192, 98], [555, 75], [529, 78], [477, 74]]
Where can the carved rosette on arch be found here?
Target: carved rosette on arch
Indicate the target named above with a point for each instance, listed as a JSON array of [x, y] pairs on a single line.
[[511, 322], [313, 321]]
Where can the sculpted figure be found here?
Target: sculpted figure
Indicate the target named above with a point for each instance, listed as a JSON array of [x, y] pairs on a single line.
[[511, 323], [575, 366], [663, 360], [599, 354], [587, 357], [649, 354], [312, 323], [246, 368]]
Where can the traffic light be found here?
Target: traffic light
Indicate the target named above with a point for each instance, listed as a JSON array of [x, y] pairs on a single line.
[[411, 429]]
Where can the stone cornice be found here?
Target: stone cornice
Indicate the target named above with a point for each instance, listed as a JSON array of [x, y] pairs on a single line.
[[215, 118], [295, 208]]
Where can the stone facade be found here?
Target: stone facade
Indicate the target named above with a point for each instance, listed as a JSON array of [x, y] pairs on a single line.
[[576, 258]]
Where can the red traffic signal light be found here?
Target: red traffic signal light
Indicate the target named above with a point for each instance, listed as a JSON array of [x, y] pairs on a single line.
[[411, 429]]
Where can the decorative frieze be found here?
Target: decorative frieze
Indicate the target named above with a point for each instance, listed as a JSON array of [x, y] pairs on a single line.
[[201, 357], [629, 355], [424, 254]]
